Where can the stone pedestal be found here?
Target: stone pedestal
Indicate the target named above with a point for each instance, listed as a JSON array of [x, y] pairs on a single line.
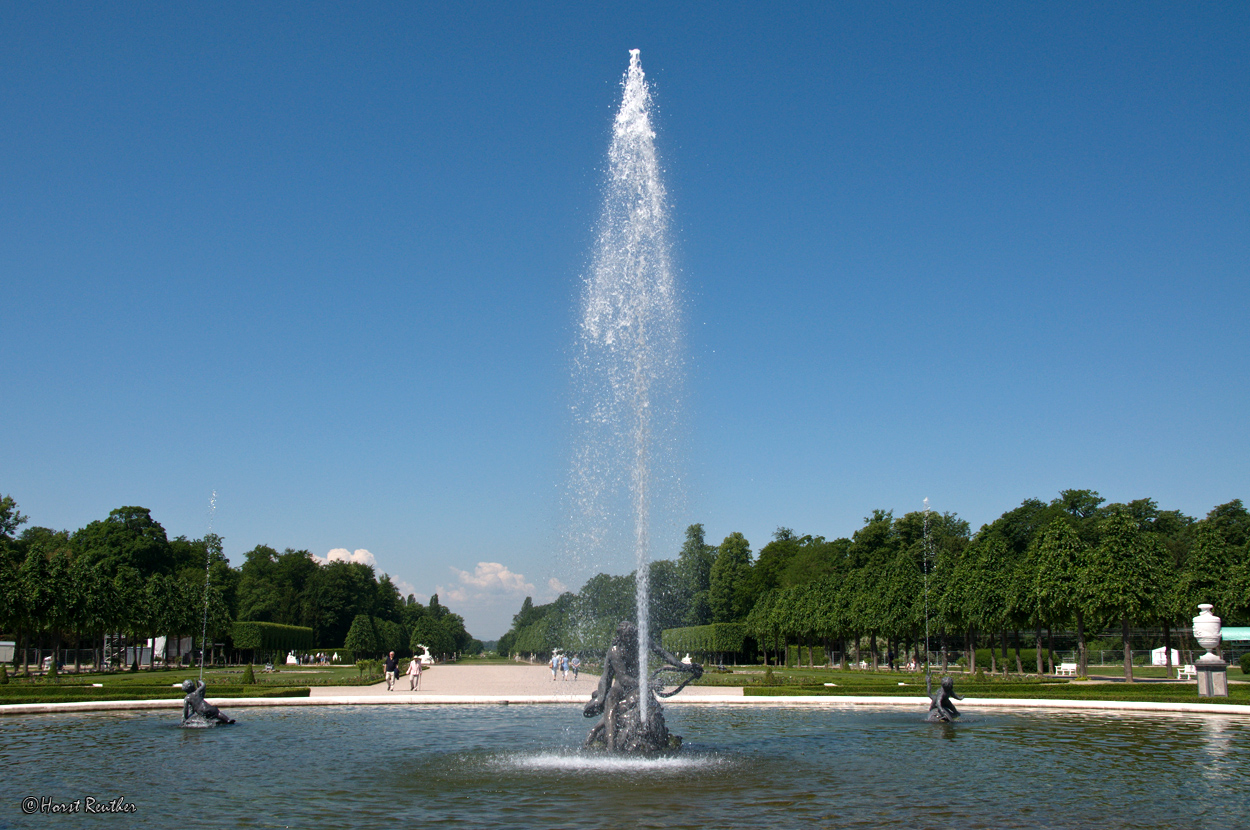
[[1212, 678]]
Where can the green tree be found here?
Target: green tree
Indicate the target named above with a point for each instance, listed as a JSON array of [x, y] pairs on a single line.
[[432, 633], [10, 518], [729, 593], [1125, 575], [362, 638], [695, 565], [129, 537], [1061, 581]]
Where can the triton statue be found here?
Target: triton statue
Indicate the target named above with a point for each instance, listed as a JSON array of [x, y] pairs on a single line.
[[622, 727], [198, 712], [941, 710]]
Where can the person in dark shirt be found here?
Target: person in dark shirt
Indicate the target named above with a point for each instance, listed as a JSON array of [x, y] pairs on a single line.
[[392, 669]]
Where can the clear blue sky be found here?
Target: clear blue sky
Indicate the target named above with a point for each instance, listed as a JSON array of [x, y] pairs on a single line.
[[325, 260]]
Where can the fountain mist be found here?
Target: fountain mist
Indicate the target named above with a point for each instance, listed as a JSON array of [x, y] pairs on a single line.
[[628, 369]]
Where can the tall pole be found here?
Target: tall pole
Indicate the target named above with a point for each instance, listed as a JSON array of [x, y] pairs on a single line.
[[928, 682]]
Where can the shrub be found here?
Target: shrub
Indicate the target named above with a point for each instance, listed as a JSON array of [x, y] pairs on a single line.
[[768, 676], [1245, 664], [4, 674], [135, 665], [249, 676]]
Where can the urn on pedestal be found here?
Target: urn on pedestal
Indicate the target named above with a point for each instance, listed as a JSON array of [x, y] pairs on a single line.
[[1212, 671]]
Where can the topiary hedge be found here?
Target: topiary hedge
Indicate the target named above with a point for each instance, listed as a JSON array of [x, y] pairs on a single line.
[[715, 639], [271, 638]]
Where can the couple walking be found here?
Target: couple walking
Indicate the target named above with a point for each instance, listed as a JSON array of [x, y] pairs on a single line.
[[392, 671]]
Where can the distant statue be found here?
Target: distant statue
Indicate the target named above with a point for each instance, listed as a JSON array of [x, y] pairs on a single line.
[[198, 712], [941, 709], [618, 699]]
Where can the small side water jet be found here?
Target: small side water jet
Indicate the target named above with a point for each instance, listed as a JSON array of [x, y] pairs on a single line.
[[628, 371]]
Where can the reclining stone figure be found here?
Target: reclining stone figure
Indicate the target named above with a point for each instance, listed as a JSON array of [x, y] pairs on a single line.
[[196, 711]]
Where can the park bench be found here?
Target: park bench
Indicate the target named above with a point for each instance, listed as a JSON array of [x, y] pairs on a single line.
[[1066, 670], [1186, 673]]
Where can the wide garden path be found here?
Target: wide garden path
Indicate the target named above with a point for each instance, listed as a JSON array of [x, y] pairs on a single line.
[[498, 679]]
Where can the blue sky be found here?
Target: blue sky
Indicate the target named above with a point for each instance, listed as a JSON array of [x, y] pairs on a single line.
[[326, 261]]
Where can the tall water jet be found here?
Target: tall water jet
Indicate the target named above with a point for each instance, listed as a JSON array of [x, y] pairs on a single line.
[[628, 369]]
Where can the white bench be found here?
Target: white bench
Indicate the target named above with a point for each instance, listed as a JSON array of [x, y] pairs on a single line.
[[1066, 670], [1186, 673]]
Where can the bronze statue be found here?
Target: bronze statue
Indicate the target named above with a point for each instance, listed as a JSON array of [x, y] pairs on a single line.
[[941, 710], [196, 711], [622, 728]]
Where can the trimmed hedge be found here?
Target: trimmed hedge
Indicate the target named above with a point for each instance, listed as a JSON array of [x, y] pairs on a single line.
[[717, 638], [271, 638], [1152, 692], [67, 694]]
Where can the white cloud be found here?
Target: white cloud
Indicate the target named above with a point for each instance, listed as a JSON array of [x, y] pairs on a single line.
[[494, 578], [491, 593], [360, 555], [556, 586]]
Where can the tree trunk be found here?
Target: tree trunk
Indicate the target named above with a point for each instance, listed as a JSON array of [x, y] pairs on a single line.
[[1050, 647], [1019, 663], [1128, 652], [970, 648], [1003, 639], [1038, 648], [1082, 655], [872, 645]]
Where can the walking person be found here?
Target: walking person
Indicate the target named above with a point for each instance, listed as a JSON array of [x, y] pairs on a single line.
[[392, 669], [555, 664], [414, 674], [564, 667], [575, 664]]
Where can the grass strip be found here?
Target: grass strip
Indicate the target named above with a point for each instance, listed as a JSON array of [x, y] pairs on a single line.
[[1112, 692], [79, 694]]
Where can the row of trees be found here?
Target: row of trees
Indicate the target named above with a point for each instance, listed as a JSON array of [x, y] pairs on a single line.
[[123, 575], [1069, 566]]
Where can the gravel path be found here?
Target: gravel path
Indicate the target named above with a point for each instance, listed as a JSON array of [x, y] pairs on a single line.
[[499, 679]]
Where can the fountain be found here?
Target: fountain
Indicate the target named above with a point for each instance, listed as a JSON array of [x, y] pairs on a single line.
[[628, 369], [197, 712], [633, 720], [491, 766]]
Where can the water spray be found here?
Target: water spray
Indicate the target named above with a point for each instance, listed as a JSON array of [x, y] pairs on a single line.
[[208, 560], [629, 369], [928, 681]]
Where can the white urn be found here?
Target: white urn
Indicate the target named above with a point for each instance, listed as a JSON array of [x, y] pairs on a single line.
[[1207, 631]]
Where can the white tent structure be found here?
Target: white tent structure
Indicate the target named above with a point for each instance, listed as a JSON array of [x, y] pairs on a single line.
[[1159, 657]]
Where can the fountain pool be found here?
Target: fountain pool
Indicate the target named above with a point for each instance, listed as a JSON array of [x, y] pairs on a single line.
[[518, 766]]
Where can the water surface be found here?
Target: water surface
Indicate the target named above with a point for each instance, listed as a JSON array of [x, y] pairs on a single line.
[[519, 766]]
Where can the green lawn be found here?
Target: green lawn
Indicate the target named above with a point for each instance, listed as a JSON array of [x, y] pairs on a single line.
[[159, 684], [805, 681]]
